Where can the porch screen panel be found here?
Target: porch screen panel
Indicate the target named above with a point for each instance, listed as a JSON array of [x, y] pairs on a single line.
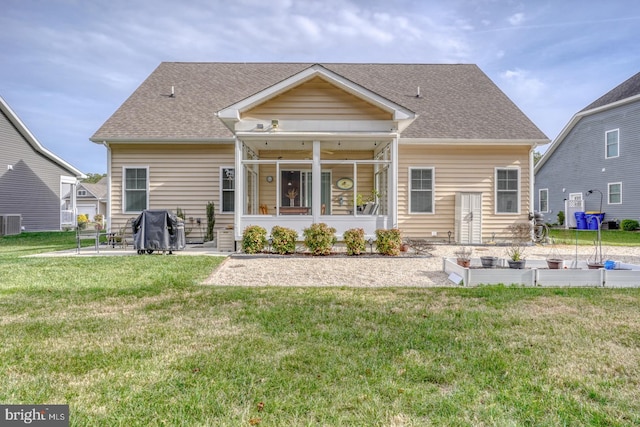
[[251, 191]]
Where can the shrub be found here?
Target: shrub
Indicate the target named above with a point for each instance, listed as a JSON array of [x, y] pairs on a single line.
[[319, 238], [354, 239], [254, 238], [629, 224], [388, 241], [211, 220], [560, 217], [284, 240]]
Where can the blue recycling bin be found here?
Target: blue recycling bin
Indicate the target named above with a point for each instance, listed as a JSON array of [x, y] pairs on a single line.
[[581, 220], [593, 220]]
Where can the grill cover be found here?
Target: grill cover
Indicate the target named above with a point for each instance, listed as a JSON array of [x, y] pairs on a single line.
[[158, 230]]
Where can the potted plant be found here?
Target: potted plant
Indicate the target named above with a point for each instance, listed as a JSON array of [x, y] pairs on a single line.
[[515, 252], [489, 261], [463, 257], [554, 261]]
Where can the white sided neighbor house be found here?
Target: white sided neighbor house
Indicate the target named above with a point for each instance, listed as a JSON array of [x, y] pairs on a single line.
[[437, 151]]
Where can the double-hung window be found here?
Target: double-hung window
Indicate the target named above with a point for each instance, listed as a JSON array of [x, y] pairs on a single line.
[[615, 193], [421, 190], [136, 189], [612, 140], [228, 189], [507, 190], [543, 200]]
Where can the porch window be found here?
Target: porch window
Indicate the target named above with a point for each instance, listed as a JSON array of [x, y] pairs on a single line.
[[507, 190], [615, 193], [612, 143], [227, 177], [543, 200], [136, 189], [421, 190]]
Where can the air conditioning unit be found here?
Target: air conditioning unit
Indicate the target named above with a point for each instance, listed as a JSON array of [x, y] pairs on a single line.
[[10, 224]]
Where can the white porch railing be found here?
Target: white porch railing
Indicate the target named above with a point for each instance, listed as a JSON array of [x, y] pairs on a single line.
[[66, 217], [342, 223]]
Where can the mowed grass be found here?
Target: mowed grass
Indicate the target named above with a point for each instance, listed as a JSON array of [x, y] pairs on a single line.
[[588, 237], [136, 341]]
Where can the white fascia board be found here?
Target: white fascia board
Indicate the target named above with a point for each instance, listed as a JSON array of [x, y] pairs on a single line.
[[298, 136], [31, 139], [111, 141], [463, 141], [574, 121]]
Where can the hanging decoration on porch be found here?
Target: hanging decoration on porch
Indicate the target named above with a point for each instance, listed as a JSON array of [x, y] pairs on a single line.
[[292, 194]]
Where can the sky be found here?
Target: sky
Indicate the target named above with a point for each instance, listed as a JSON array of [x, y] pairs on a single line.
[[67, 65]]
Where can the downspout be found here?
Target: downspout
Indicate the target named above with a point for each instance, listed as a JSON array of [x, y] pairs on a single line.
[[108, 213], [532, 189]]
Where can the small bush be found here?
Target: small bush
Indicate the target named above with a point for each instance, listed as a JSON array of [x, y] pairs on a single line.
[[388, 241], [319, 238], [629, 224], [354, 239], [254, 238], [283, 240], [560, 217]]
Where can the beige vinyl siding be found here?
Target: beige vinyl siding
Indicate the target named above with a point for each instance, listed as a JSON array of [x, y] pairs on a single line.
[[461, 169], [317, 99], [185, 176]]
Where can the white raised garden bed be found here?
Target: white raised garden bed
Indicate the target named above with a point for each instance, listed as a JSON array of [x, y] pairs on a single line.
[[536, 273]]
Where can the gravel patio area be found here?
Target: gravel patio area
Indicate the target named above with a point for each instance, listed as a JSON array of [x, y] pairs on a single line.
[[378, 271]]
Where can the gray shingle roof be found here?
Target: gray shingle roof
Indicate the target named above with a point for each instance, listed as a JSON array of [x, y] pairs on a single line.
[[626, 89], [458, 100]]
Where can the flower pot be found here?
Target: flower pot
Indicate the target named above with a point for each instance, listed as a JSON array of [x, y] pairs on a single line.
[[463, 262], [554, 263], [516, 264], [594, 265], [489, 261]]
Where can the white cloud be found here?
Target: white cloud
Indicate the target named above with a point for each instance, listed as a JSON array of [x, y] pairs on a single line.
[[516, 19]]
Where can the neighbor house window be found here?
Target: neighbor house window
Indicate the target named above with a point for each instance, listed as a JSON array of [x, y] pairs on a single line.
[[543, 200], [507, 190], [615, 193], [82, 192], [228, 187], [421, 190], [613, 143], [136, 189]]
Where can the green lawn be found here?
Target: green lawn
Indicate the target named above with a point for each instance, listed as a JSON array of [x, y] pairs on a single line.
[[587, 237], [136, 341]]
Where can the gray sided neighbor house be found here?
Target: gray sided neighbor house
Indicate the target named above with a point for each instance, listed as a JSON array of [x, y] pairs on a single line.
[[33, 180], [598, 150]]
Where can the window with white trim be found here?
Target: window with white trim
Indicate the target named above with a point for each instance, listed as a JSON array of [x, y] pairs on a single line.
[[543, 200], [136, 189], [507, 190], [612, 141], [615, 193], [227, 189], [421, 190]]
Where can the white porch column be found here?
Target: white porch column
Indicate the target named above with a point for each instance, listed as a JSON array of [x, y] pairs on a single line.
[[316, 183], [393, 183], [238, 193]]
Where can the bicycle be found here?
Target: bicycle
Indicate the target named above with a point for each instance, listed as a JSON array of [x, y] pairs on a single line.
[[540, 229]]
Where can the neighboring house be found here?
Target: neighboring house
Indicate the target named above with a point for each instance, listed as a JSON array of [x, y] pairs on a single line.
[[446, 154], [599, 150], [91, 198], [33, 180]]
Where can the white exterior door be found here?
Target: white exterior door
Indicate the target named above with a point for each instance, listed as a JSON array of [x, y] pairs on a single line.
[[469, 218]]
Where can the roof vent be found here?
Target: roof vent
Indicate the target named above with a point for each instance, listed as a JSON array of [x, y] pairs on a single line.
[[418, 92]]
